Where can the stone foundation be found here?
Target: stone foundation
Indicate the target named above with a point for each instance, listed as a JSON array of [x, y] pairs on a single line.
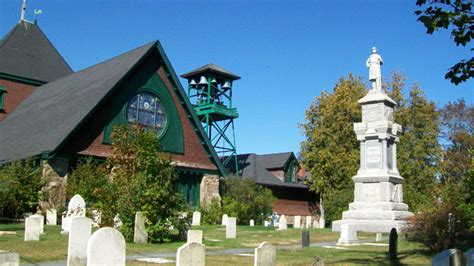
[[209, 190], [55, 172]]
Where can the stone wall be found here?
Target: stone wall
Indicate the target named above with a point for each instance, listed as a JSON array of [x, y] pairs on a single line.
[[209, 190], [55, 171]]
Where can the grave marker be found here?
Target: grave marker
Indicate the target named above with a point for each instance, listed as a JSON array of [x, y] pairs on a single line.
[[470, 256], [231, 228], [449, 257], [191, 254], [140, 234], [392, 245], [282, 223], [348, 234], [32, 228], [195, 236], [75, 208], [265, 255], [308, 221], [51, 217], [41, 217], [305, 238], [252, 223], [77, 244], [9, 258], [106, 247], [224, 219], [297, 221], [196, 218]]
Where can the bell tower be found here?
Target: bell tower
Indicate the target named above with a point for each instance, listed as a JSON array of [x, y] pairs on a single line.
[[210, 93]]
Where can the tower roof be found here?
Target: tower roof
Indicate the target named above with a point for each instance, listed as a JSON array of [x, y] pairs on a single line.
[[213, 69], [27, 53]]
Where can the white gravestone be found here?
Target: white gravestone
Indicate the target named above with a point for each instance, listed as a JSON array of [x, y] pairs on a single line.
[[470, 256], [265, 255], [224, 219], [75, 208], [252, 223], [191, 254], [449, 257], [231, 228], [9, 258], [51, 217], [266, 223], [32, 228], [195, 236], [106, 247], [196, 218], [378, 237], [81, 228], [117, 221], [322, 222], [315, 224], [309, 220], [297, 221], [282, 223], [348, 234], [139, 234], [41, 217]]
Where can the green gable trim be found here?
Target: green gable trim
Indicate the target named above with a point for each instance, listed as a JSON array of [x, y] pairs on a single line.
[[3, 90], [171, 137], [22, 79]]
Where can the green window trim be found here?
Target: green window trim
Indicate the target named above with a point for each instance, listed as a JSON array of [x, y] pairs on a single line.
[[3, 90], [291, 171]]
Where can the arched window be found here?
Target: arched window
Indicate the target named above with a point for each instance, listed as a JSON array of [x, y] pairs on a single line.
[[146, 109]]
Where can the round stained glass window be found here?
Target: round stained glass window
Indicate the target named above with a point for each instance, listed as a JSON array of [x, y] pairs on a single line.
[[146, 109]]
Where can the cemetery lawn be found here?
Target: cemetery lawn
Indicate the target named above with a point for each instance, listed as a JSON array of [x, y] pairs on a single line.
[[53, 246]]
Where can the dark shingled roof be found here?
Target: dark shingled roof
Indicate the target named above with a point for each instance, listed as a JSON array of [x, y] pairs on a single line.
[[26, 52], [256, 167], [213, 69]]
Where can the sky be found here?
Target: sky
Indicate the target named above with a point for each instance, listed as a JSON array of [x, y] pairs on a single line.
[[287, 52]]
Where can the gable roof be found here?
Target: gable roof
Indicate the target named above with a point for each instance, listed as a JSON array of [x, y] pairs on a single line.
[[26, 52], [49, 116], [275, 160], [255, 166], [213, 69]]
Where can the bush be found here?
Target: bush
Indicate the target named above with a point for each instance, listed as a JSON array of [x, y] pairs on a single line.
[[336, 203], [88, 179], [246, 200], [213, 213]]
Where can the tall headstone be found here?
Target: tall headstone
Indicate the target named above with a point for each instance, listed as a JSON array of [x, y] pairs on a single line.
[[195, 236], [224, 219], [231, 228], [308, 221], [75, 208], [140, 234], [41, 217], [393, 245], [81, 228], [51, 217], [265, 255], [450, 257], [106, 246], [305, 238], [252, 223], [9, 258], [378, 237], [315, 224], [297, 221], [191, 254], [378, 192], [282, 223], [32, 228], [196, 218], [348, 235], [470, 256]]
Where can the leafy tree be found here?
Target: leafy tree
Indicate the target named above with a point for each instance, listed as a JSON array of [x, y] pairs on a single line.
[[331, 150], [456, 15], [88, 179]]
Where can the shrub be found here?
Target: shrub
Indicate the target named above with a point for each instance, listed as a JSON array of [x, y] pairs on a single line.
[[246, 200], [88, 179], [213, 213]]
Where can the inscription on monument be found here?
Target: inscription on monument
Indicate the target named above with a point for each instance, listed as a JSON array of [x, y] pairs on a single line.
[[373, 154]]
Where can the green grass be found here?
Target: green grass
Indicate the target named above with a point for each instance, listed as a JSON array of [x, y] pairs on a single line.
[[53, 246]]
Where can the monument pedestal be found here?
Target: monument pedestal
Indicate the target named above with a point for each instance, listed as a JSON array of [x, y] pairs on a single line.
[[378, 193]]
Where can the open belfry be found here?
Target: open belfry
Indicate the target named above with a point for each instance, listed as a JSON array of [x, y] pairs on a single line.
[[378, 194]]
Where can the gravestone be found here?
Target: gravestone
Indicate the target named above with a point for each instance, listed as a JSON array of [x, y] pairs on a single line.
[[470, 256], [265, 255], [32, 228], [282, 223], [315, 224], [196, 218], [51, 217], [9, 258], [305, 238], [140, 234], [378, 237], [450, 257], [297, 221], [191, 254], [117, 221], [266, 223], [308, 221], [322, 222], [393, 245], [75, 208], [106, 246], [252, 223], [41, 217], [231, 228], [81, 228], [224, 219], [195, 236], [348, 234]]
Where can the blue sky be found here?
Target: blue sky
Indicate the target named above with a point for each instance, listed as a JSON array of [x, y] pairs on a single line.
[[286, 52]]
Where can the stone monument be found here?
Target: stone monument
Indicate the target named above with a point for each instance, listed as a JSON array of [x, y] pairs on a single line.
[[378, 194]]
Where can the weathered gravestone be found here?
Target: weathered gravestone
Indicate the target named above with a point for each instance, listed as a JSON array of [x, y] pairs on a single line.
[[266, 223], [140, 234], [378, 237], [195, 236], [265, 255], [348, 234], [32, 228], [231, 228], [297, 221], [305, 238], [9, 258], [41, 217], [224, 219], [393, 245], [449, 257], [196, 218], [75, 208], [470, 257], [191, 254], [51, 217], [81, 228], [322, 222], [282, 223], [308, 221], [106, 247], [315, 224], [252, 223]]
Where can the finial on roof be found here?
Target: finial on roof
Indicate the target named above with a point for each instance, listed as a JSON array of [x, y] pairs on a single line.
[[23, 11]]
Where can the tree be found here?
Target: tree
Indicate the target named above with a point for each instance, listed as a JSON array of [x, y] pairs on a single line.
[[331, 150], [88, 179], [456, 15]]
